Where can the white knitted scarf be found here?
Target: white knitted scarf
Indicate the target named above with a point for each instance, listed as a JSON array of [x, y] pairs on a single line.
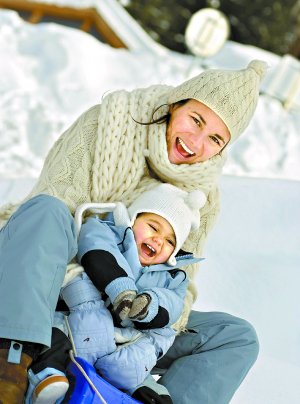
[[103, 157]]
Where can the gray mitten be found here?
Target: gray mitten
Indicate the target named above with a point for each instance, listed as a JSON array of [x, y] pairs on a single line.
[[139, 308], [123, 302]]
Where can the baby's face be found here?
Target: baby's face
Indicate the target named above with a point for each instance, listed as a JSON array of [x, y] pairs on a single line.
[[154, 237]]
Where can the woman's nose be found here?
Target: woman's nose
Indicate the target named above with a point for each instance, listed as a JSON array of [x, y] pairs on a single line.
[[198, 143]]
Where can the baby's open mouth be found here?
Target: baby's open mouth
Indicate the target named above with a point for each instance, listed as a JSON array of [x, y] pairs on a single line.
[[183, 149], [148, 250]]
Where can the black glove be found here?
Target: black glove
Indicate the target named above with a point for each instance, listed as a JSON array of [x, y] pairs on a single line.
[[147, 396]]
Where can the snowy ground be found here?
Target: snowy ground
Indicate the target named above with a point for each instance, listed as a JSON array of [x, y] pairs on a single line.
[[49, 74], [252, 271]]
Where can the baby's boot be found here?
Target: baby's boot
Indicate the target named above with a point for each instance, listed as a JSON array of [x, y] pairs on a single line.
[[46, 387]]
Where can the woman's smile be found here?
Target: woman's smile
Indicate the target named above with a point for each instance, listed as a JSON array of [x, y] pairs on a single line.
[[183, 149]]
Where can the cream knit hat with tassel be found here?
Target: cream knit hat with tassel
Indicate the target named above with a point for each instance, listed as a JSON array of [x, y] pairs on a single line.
[[180, 208], [231, 94]]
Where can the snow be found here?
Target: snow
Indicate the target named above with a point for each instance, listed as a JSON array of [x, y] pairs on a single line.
[[49, 74], [251, 271]]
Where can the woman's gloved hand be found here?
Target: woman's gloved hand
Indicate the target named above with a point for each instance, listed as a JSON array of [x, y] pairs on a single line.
[[149, 396]]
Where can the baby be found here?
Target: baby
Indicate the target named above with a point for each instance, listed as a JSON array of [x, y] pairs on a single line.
[[123, 305]]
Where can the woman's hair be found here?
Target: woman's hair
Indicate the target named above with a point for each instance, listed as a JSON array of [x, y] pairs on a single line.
[[164, 118]]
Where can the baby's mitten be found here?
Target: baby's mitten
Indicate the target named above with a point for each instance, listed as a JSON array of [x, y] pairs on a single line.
[[139, 308], [123, 302]]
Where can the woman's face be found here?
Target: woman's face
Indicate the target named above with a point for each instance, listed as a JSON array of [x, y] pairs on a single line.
[[195, 133]]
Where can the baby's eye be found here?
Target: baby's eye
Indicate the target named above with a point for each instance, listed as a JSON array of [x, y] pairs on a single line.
[[152, 227], [171, 242]]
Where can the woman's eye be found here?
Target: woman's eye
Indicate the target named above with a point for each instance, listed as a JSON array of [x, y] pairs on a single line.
[[216, 140], [196, 120]]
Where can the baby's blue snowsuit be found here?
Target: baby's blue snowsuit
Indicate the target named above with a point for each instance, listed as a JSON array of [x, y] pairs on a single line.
[[109, 255]]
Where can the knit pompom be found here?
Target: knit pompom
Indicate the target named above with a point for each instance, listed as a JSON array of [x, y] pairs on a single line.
[[196, 199], [259, 66]]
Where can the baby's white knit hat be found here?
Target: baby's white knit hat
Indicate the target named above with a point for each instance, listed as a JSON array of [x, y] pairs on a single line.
[[180, 208], [231, 94]]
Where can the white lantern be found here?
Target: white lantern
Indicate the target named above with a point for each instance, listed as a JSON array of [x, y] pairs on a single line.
[[206, 32]]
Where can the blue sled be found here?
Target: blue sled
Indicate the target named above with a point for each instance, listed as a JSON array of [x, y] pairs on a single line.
[[84, 394]]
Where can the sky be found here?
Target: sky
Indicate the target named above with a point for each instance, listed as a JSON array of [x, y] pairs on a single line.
[[49, 74]]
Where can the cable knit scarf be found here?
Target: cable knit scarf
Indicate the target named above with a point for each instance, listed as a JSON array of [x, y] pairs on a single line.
[[104, 155]]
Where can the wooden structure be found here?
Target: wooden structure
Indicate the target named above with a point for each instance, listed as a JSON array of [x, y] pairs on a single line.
[[87, 19]]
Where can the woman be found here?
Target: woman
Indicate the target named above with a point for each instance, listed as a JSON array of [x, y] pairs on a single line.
[[115, 151]]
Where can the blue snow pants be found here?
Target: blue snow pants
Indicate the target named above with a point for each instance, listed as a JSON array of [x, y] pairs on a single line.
[[36, 245], [204, 366], [207, 364]]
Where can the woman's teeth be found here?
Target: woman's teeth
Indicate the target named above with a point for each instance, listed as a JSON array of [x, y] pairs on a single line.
[[184, 146]]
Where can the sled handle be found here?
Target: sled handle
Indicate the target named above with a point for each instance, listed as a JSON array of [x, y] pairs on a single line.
[[94, 208]]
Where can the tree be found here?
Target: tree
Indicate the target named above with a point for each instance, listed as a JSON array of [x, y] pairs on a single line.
[[271, 25]]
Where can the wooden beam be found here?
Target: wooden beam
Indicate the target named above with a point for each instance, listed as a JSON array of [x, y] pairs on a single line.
[[86, 24], [36, 16], [48, 9], [106, 31], [86, 15]]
